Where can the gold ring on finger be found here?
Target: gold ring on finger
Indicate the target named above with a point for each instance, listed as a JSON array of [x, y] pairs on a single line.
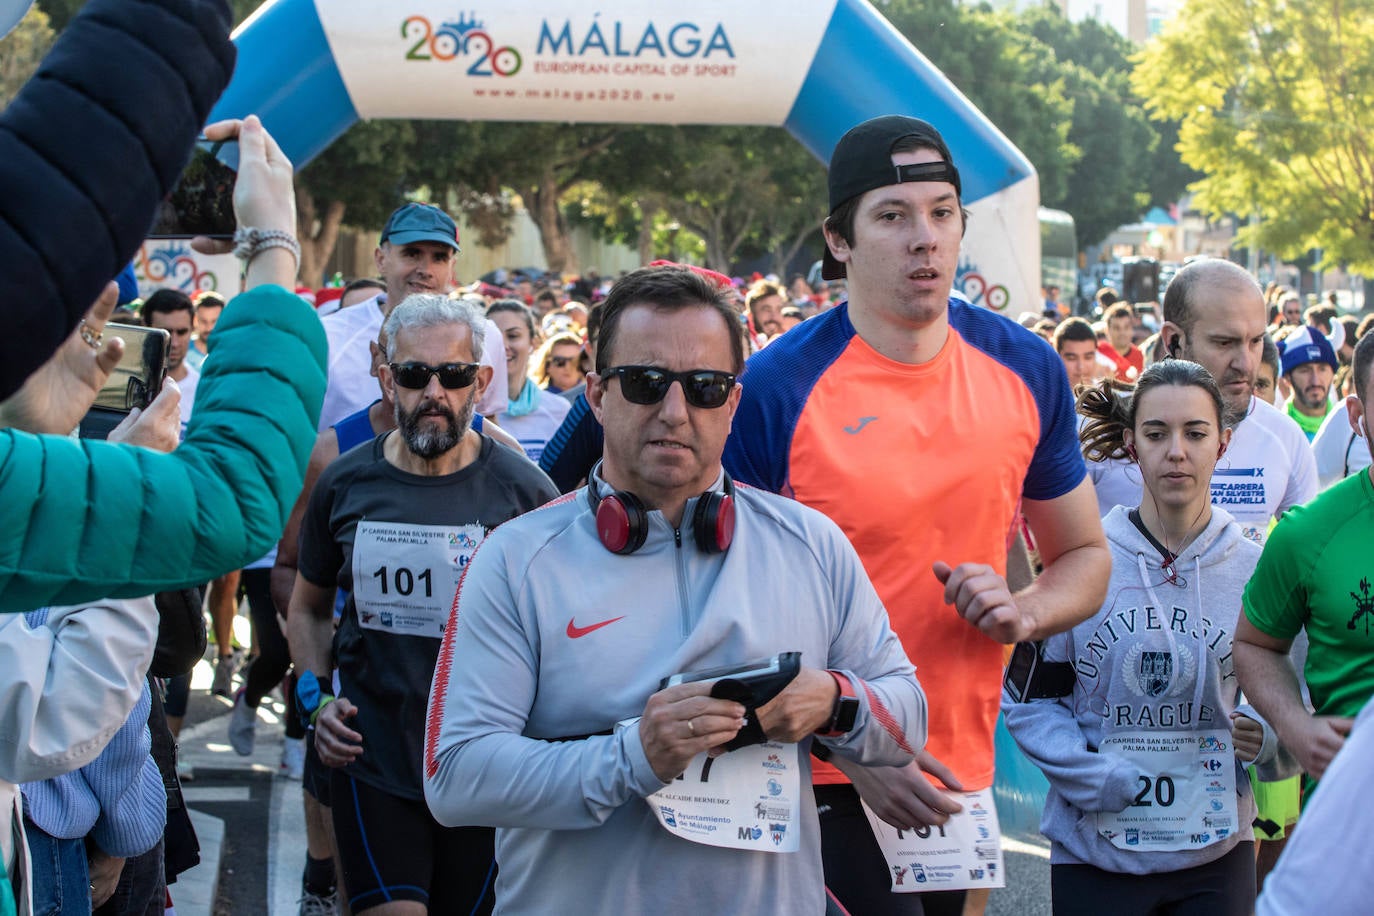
[[90, 335]]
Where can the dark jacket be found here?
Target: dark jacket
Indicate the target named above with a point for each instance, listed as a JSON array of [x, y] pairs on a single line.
[[88, 149]]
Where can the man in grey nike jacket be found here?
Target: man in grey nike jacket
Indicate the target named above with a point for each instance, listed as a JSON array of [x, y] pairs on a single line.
[[546, 717]]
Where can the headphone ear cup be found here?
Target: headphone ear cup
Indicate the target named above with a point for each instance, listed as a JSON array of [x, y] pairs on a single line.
[[622, 524], [713, 522]]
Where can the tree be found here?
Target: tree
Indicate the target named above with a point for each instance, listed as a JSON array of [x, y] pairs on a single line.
[[1127, 163], [1274, 100], [1012, 78], [21, 51]]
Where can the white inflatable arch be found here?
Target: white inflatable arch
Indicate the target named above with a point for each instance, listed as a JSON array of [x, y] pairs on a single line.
[[310, 68]]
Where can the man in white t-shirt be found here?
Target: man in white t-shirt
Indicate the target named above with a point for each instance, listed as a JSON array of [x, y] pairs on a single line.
[[171, 310], [1214, 315], [416, 254]]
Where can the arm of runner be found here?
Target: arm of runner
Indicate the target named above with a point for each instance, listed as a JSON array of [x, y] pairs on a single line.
[[1048, 734], [283, 580], [681, 722], [1269, 682], [310, 631], [479, 767], [1077, 564], [902, 796]]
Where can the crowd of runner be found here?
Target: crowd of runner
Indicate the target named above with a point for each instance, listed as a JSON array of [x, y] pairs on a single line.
[[673, 592]]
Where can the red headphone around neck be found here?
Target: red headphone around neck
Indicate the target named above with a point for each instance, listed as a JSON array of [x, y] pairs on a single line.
[[622, 520]]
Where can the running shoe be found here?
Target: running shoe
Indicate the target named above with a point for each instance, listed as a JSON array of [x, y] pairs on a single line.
[[292, 758], [243, 723], [223, 684], [319, 905]]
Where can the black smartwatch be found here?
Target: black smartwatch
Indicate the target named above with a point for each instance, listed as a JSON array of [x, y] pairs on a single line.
[[845, 710]]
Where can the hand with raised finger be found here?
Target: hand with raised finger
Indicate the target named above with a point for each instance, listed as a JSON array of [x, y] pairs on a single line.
[[57, 396], [682, 721], [337, 744], [982, 597]]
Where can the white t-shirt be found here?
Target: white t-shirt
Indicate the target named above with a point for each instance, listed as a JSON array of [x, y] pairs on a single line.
[[188, 396], [534, 430], [1326, 868], [351, 386], [1339, 450], [1268, 469]]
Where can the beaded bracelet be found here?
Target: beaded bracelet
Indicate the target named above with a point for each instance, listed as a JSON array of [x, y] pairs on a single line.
[[249, 242]]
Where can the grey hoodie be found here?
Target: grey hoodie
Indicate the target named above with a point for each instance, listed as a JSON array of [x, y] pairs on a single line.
[[1144, 613]]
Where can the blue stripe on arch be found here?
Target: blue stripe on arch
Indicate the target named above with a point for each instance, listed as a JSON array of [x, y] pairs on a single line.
[[287, 76], [865, 68]]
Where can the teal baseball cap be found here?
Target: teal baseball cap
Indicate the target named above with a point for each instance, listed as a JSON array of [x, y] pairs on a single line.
[[420, 223]]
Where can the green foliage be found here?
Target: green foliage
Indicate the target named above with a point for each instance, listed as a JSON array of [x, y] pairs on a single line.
[[1275, 99], [60, 12], [21, 51]]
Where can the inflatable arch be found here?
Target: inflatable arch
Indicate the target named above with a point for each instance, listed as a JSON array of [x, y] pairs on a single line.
[[310, 68]]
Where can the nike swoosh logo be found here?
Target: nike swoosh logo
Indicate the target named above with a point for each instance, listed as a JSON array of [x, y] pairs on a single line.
[[863, 421], [576, 632]]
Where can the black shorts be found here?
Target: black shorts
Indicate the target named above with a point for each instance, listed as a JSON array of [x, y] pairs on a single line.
[[855, 870], [392, 848], [1224, 887]]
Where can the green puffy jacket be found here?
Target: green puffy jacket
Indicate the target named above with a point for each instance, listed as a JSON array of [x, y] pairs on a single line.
[[86, 519]]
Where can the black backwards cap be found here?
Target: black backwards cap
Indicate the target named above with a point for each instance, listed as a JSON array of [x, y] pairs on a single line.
[[862, 161]]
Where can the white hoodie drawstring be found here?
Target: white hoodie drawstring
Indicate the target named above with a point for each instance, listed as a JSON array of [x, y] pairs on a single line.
[[1200, 675]]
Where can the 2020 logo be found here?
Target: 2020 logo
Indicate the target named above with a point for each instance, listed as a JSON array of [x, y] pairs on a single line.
[[465, 37]]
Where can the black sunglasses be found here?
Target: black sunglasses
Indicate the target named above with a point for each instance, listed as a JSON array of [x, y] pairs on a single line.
[[451, 375], [560, 361], [649, 384]]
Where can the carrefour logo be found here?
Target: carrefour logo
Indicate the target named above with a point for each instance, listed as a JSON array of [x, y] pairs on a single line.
[[461, 37]]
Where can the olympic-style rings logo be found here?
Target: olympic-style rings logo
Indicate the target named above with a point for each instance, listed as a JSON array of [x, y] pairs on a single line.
[[980, 292], [464, 37]]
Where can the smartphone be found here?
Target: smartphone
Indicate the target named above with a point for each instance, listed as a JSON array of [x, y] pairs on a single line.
[[133, 383], [752, 684], [202, 203], [1030, 677], [138, 377]]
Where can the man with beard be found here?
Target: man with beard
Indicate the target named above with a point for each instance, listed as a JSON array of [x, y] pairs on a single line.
[[1309, 365], [394, 524]]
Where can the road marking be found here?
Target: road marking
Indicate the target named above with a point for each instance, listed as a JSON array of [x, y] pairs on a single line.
[[209, 794]]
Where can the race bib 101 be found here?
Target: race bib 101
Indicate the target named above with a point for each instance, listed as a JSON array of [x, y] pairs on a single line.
[[405, 576], [963, 852]]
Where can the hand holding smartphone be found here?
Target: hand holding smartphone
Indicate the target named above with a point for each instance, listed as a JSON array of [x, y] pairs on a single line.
[[202, 203]]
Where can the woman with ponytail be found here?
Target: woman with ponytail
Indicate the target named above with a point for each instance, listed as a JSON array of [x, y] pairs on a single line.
[[1149, 810]]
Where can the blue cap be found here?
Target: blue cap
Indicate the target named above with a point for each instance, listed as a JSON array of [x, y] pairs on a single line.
[[1306, 345], [420, 223]]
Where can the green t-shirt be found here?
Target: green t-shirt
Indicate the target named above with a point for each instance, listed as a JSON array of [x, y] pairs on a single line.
[[1309, 425], [1317, 573]]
